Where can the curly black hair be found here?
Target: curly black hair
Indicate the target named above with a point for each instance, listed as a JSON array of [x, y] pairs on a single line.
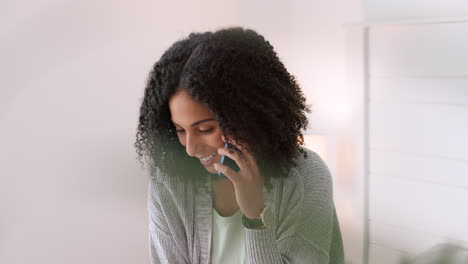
[[238, 75]]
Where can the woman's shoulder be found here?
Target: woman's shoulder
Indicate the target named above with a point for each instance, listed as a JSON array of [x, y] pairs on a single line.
[[313, 160], [161, 184], [175, 186], [160, 177], [311, 172]]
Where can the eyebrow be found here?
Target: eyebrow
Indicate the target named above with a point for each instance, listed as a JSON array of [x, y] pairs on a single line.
[[198, 122]]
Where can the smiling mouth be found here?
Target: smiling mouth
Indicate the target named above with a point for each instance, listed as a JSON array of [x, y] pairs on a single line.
[[208, 159]]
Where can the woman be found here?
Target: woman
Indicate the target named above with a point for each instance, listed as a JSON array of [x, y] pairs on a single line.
[[222, 87]]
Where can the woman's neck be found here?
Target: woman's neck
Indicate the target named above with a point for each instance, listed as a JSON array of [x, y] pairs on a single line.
[[224, 197]]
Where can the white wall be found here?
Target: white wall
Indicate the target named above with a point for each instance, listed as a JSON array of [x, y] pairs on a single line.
[[418, 95], [72, 76], [384, 10], [416, 86]]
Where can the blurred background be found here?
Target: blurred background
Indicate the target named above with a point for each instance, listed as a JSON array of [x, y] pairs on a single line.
[[387, 80]]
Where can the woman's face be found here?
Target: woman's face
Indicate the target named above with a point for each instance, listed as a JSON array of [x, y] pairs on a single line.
[[197, 129]]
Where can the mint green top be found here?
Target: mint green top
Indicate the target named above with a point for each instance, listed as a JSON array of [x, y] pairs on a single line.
[[228, 239]]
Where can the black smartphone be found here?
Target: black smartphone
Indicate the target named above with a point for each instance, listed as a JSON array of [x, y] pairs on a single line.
[[228, 162]]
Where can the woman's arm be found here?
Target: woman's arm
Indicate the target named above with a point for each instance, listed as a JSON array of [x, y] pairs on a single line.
[[163, 248], [263, 248], [307, 229]]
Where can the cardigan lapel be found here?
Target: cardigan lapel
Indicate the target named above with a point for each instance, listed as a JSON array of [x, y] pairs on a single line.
[[203, 222]]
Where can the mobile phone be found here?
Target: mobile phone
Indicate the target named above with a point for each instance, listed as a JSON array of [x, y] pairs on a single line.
[[228, 162]]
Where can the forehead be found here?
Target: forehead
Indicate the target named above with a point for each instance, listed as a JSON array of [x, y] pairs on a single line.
[[186, 110]]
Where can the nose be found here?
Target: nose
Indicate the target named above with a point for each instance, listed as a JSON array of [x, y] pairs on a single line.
[[191, 145]]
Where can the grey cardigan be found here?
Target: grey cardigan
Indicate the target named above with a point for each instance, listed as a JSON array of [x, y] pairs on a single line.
[[305, 227]]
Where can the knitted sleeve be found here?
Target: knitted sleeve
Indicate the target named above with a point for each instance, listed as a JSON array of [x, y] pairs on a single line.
[[163, 248], [306, 229]]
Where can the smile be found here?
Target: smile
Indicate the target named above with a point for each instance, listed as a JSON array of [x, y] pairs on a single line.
[[209, 157]]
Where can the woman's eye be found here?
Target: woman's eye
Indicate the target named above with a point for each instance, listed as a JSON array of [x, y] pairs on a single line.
[[206, 131], [201, 131]]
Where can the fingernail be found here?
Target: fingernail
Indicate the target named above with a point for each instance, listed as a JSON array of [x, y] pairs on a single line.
[[215, 166]]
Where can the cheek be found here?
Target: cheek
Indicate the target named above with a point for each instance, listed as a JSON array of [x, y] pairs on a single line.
[[217, 140], [211, 140], [214, 140]]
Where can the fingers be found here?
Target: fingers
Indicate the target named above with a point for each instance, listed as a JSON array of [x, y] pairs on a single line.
[[240, 145], [237, 156], [228, 172], [246, 152], [242, 150]]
